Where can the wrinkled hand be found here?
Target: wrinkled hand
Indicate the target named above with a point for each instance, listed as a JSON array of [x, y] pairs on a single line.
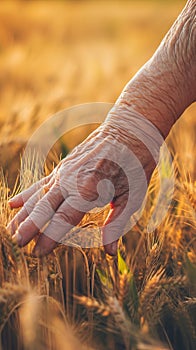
[[113, 165]]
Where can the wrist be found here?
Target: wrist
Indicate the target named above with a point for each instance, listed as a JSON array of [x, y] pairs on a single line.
[[153, 95], [132, 129], [126, 123]]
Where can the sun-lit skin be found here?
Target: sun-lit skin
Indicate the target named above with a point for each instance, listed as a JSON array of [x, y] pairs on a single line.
[[162, 89], [166, 85]]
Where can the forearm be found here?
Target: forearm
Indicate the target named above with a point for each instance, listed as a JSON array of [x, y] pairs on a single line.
[[165, 86]]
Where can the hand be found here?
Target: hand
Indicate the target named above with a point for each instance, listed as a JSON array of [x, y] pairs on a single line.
[[113, 165]]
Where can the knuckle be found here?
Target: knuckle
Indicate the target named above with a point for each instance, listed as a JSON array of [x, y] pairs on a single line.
[[87, 188], [69, 217]]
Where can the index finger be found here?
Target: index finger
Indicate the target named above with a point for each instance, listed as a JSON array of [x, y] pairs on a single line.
[[19, 200]]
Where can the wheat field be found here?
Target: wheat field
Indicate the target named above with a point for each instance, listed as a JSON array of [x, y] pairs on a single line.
[[54, 55]]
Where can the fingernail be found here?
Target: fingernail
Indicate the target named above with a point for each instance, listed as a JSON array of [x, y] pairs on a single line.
[[114, 247], [12, 199], [37, 252], [10, 202], [17, 237]]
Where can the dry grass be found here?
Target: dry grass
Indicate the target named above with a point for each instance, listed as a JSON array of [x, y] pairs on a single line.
[[76, 295], [54, 55]]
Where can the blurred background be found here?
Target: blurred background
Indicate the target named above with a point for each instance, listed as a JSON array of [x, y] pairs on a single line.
[[56, 54]]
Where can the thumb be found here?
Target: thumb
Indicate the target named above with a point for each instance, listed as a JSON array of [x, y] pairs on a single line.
[[113, 227]]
